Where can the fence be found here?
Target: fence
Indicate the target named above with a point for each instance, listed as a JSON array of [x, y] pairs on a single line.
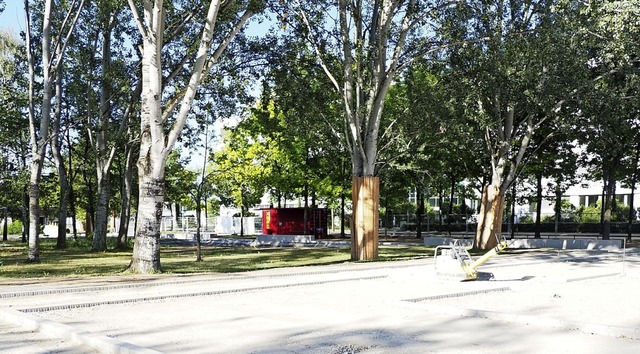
[[522, 223], [221, 225]]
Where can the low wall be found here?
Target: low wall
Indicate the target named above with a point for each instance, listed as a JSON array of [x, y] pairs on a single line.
[[286, 238], [586, 244], [440, 241], [565, 244]]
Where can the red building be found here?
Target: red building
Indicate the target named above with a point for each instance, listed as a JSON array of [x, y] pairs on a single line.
[[290, 221]]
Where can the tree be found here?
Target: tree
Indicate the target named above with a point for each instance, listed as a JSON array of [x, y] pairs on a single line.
[[361, 52], [116, 105], [162, 117], [13, 131], [52, 51], [297, 115], [611, 105], [517, 77], [238, 172]]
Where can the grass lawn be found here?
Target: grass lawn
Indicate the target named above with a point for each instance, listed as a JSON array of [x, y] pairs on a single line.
[[78, 260]]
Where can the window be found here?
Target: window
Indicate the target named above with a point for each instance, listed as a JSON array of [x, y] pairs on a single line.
[[412, 196]]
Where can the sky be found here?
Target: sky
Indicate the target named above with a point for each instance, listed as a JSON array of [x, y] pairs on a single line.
[[12, 18]]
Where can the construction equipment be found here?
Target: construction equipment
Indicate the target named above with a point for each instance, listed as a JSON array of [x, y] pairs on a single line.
[[454, 260]]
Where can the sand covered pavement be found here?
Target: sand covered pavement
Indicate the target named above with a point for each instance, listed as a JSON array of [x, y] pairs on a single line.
[[528, 301]]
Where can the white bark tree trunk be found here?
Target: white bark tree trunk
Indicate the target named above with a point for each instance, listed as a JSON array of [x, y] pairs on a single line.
[[39, 136], [155, 144]]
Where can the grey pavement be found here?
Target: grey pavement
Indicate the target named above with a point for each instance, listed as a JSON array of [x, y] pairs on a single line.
[[528, 301]]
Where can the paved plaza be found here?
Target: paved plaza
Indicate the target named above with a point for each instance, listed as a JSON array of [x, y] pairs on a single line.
[[528, 301]]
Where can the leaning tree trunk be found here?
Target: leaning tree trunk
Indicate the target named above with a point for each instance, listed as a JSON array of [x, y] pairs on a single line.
[[364, 223], [490, 222]]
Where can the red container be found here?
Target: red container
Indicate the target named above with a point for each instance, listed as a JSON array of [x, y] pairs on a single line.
[[290, 221]]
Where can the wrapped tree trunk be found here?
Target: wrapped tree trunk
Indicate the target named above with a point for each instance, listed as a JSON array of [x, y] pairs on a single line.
[[490, 222], [364, 222]]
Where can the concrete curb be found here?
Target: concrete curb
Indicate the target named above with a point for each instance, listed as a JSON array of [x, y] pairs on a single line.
[[101, 343]]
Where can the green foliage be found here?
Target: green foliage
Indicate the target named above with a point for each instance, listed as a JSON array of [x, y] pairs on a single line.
[[590, 214], [527, 219], [15, 228], [238, 170], [179, 180]]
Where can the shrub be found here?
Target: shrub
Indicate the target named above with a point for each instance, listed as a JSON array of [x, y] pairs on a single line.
[[15, 228]]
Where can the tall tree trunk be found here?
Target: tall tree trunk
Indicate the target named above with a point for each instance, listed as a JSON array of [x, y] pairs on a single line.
[[71, 196], [152, 160], [607, 206], [39, 135], [125, 196], [634, 179], [63, 186], [440, 202], [102, 215], [451, 195], [364, 228], [103, 158], [343, 198], [146, 250], [538, 203], [305, 226], [25, 212], [632, 213], [420, 209], [198, 225], [90, 195], [513, 210], [558, 207], [242, 222], [155, 143]]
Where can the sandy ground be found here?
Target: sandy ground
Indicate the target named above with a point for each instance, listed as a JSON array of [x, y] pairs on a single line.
[[17, 340], [530, 302]]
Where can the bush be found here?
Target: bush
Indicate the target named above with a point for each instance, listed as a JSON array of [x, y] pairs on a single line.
[[15, 228], [527, 219]]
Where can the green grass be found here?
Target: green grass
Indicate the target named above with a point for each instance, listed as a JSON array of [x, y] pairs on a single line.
[[77, 260]]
